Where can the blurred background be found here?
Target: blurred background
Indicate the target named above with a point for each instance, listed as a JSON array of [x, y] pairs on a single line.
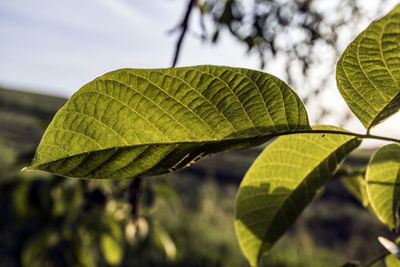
[[49, 49]]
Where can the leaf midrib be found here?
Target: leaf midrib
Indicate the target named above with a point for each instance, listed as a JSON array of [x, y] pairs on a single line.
[[213, 141]]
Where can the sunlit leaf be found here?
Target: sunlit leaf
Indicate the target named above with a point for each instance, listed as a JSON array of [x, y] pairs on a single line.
[[112, 250], [392, 261], [133, 122], [21, 200], [368, 73], [383, 184], [165, 241], [280, 184], [84, 252]]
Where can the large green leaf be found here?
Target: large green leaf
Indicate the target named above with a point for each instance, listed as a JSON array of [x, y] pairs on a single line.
[[280, 184], [368, 73], [133, 122], [383, 184]]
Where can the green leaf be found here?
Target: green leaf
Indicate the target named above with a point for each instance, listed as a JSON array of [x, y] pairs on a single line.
[[356, 185], [368, 73], [165, 241], [392, 261], [280, 184], [111, 249], [383, 184], [133, 122], [36, 248]]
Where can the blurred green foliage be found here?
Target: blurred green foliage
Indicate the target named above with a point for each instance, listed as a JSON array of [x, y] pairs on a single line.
[[183, 219]]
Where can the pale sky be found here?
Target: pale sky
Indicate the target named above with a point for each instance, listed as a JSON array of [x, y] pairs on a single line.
[[55, 47]]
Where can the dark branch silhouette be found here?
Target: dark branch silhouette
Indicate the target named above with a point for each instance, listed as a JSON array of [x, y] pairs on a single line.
[[183, 27], [135, 191], [297, 29]]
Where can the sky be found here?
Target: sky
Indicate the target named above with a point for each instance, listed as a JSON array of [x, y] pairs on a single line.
[[55, 47]]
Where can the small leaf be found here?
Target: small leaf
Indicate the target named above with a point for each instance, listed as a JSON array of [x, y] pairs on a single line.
[[383, 184], [165, 241], [368, 73], [280, 184], [133, 122], [36, 248], [111, 249]]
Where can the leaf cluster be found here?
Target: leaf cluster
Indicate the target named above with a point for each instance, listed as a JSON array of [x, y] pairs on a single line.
[[146, 122]]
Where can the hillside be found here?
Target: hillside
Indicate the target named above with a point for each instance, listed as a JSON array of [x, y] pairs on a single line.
[[23, 117]]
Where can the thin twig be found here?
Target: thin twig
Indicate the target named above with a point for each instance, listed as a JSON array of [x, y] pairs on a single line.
[[183, 26], [363, 136]]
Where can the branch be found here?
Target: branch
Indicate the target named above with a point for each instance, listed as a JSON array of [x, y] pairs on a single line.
[[363, 136], [183, 26], [135, 190]]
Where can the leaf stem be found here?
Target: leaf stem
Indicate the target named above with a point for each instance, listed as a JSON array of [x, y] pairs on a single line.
[[363, 136]]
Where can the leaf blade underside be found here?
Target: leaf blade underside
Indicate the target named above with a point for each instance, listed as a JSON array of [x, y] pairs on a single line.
[[281, 182], [383, 184], [368, 72], [133, 122]]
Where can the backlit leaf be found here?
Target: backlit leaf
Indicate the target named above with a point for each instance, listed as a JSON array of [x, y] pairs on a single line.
[[392, 261], [133, 122], [165, 241], [383, 184], [280, 184], [368, 73]]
